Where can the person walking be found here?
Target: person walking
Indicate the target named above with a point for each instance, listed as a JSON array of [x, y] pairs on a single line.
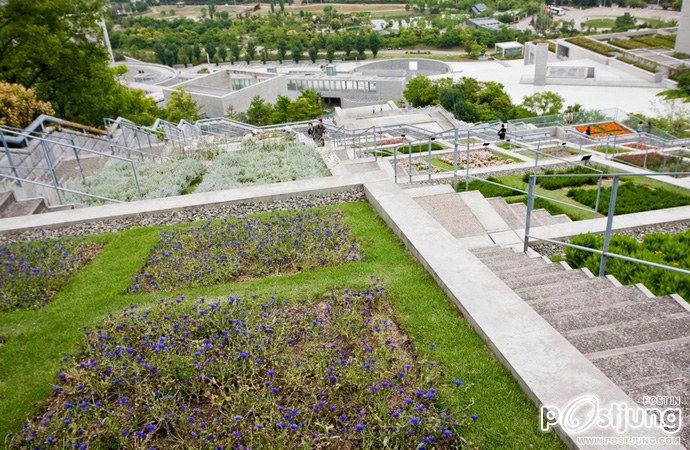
[[588, 131], [502, 132], [319, 133], [310, 130]]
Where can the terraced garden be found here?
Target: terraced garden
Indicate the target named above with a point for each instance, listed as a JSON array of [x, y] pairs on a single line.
[[311, 352], [263, 161], [635, 194]]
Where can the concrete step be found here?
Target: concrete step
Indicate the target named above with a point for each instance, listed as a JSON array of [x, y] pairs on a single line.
[[631, 364], [433, 189], [652, 308], [452, 213], [521, 283], [490, 219], [524, 269], [24, 208], [6, 199], [580, 284], [504, 210], [58, 208], [567, 301], [542, 216], [520, 210], [505, 258], [628, 334], [561, 218]]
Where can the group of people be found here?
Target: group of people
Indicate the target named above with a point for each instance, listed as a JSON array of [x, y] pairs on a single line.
[[317, 133]]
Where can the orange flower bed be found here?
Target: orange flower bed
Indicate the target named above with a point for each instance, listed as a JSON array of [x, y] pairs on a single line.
[[604, 129]]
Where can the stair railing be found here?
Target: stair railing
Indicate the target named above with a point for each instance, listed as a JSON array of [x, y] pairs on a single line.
[[604, 253]]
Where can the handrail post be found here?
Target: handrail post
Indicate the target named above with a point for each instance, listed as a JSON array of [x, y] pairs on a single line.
[[375, 146], [429, 159], [596, 203], [467, 163], [136, 179], [409, 159], [609, 225], [536, 155], [9, 156], [49, 161], [455, 160], [76, 156], [530, 206]]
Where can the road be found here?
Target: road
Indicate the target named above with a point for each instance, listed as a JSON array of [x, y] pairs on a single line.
[[583, 15]]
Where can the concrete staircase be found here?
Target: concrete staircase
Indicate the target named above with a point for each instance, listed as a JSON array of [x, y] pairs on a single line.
[[641, 342], [11, 207], [467, 214], [514, 214]]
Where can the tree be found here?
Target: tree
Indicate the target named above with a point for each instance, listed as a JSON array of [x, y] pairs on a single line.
[[347, 44], [330, 52], [54, 47], [682, 89], [421, 91], [210, 48], [281, 4], [296, 53], [181, 106], [234, 52], [313, 52], [189, 53], [19, 105], [544, 103], [374, 43], [211, 9], [251, 49], [624, 22], [259, 112], [360, 45], [222, 52], [281, 47], [264, 55]]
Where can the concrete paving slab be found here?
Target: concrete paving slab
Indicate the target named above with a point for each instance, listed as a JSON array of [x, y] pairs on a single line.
[[483, 211]]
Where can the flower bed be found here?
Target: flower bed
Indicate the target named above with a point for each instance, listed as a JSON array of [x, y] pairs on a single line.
[[262, 163], [237, 249], [604, 129], [156, 179], [31, 273], [335, 373], [657, 161], [593, 45], [379, 143], [638, 146], [478, 158], [553, 183]]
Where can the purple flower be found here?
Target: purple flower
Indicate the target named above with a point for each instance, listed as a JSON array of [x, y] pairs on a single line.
[[474, 417], [68, 405], [415, 421], [360, 427], [243, 355], [237, 418], [457, 382], [431, 393], [343, 417], [271, 372], [446, 432]]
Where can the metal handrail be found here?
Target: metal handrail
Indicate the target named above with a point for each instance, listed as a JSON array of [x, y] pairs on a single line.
[[72, 191], [609, 218]]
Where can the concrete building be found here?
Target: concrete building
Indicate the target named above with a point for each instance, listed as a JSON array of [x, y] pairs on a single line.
[[510, 49], [683, 34], [371, 83]]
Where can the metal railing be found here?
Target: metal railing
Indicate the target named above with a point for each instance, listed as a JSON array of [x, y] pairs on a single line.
[[604, 253]]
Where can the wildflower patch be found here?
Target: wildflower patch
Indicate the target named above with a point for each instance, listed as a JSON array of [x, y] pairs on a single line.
[[31, 273], [239, 249], [252, 373]]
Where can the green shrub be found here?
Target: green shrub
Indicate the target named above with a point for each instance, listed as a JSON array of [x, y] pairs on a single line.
[[668, 249], [540, 203], [627, 44], [553, 183], [631, 198]]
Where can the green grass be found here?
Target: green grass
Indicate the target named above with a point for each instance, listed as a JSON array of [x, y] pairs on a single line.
[[416, 148], [599, 23], [631, 198], [36, 340]]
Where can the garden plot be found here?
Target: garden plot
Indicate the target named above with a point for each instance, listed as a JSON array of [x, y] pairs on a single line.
[[657, 161], [235, 249], [444, 162], [337, 373], [31, 273], [263, 162]]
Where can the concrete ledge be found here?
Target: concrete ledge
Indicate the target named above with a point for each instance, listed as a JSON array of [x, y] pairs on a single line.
[[549, 369], [254, 193], [622, 222]]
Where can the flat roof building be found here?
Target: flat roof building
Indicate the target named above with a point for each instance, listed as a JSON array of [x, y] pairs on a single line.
[[485, 22]]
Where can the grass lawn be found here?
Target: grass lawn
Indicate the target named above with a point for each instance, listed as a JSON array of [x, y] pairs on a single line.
[[415, 148], [36, 340], [599, 23]]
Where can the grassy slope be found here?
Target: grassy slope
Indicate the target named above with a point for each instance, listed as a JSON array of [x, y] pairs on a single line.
[[37, 339]]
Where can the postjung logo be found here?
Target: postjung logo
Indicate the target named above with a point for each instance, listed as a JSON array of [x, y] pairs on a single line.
[[585, 411]]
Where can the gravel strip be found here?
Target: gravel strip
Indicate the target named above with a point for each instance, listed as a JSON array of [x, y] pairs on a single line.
[[186, 215]]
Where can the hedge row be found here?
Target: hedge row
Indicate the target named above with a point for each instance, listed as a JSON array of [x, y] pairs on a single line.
[[553, 183], [595, 46], [631, 198]]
